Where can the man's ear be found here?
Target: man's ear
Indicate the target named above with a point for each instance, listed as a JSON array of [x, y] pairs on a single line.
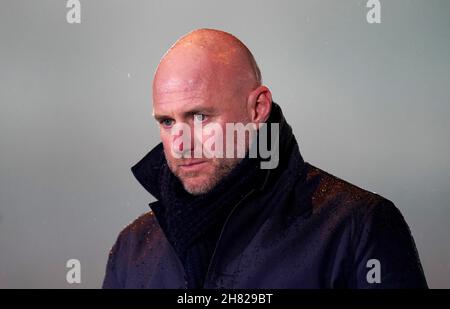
[[259, 104]]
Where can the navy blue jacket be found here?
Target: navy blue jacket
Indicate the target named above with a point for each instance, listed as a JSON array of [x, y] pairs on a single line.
[[302, 228]]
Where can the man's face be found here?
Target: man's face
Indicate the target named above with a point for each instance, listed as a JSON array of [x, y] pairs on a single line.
[[182, 97]]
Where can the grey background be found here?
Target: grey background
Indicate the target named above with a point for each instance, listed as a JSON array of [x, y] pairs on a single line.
[[368, 103]]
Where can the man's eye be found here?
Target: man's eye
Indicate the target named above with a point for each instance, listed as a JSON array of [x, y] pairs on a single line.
[[167, 122], [199, 117]]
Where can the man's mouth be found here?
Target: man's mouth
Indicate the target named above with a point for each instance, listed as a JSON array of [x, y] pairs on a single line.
[[192, 164]]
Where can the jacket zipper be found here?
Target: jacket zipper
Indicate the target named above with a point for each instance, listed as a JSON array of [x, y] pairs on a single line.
[[221, 234]]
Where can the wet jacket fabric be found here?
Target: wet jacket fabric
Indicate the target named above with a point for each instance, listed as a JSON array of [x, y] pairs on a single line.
[[296, 226]]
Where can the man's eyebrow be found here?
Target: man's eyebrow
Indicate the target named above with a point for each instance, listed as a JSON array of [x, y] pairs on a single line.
[[160, 117], [187, 113]]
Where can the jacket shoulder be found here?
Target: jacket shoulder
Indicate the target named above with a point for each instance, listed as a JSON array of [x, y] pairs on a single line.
[[142, 226], [327, 190], [141, 237], [371, 217]]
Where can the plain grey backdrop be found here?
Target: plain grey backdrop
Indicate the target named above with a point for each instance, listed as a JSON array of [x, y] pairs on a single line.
[[368, 103]]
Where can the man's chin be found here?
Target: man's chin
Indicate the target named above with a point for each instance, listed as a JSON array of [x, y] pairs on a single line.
[[197, 185]]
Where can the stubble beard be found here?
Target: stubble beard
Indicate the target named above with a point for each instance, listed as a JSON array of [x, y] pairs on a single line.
[[222, 168]]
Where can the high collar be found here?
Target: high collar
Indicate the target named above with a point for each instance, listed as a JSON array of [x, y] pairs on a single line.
[[148, 170]]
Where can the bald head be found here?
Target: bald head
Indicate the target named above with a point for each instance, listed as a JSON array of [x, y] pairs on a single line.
[[207, 58]]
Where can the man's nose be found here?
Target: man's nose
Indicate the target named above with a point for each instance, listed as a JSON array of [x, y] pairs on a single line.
[[184, 145]]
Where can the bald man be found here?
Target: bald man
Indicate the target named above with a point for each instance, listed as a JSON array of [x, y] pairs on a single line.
[[224, 221]]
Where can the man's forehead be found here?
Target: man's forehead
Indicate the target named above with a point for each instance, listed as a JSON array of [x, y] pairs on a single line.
[[177, 84]]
